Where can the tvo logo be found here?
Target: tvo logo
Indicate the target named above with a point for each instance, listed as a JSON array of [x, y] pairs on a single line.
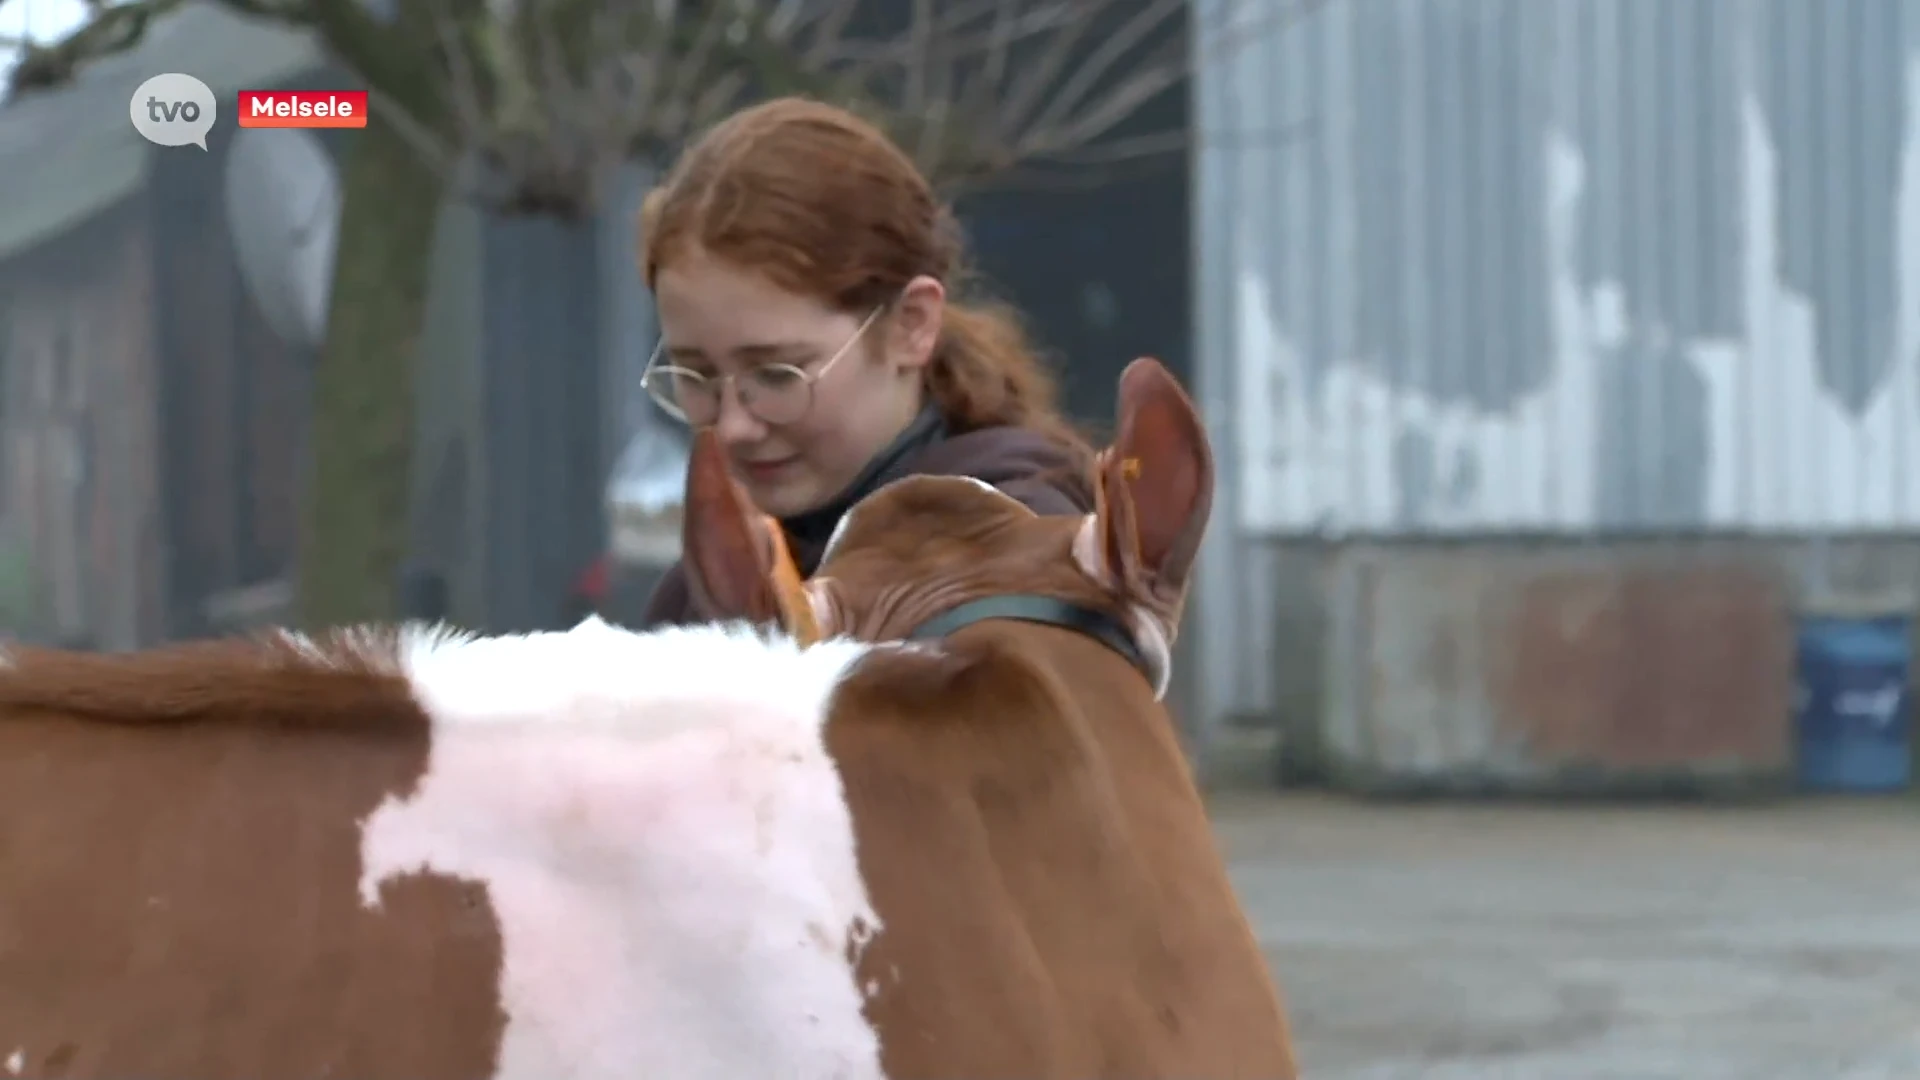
[[173, 110]]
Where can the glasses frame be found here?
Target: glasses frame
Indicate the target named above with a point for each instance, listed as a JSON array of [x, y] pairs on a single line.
[[723, 383]]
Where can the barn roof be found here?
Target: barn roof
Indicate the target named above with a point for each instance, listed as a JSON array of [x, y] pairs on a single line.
[[69, 153]]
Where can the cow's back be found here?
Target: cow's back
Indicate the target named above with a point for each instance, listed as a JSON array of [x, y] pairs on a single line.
[[602, 855], [180, 894], [595, 855], [1052, 900]]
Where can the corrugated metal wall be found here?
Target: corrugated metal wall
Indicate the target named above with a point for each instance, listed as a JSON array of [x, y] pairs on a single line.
[[1576, 266]]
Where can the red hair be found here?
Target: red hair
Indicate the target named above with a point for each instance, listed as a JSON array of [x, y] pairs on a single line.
[[827, 206]]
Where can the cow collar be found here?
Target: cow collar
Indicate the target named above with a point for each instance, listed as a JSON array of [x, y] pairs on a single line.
[[1032, 607]]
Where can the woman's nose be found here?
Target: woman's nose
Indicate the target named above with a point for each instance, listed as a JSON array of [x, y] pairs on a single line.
[[736, 425]]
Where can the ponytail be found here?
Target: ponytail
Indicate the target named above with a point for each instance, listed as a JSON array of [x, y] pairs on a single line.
[[985, 373]]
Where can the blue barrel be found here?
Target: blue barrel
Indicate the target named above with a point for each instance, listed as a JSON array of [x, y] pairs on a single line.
[[1852, 712]]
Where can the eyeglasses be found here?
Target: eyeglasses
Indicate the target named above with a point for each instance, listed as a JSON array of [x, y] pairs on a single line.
[[773, 393]]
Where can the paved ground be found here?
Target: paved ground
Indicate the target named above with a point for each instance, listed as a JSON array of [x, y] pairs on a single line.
[[1589, 943]]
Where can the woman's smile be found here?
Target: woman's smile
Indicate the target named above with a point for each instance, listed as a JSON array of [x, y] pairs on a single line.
[[768, 471]]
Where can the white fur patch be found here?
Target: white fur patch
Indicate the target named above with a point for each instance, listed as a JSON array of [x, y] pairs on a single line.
[[664, 839], [991, 490], [1149, 635], [833, 538], [840, 529], [1152, 643]]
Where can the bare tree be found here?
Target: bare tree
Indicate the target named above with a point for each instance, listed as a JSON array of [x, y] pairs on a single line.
[[526, 106], [553, 93]]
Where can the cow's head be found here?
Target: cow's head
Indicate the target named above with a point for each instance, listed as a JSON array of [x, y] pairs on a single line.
[[920, 547]]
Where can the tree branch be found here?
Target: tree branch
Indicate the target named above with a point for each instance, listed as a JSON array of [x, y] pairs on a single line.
[[294, 11], [111, 29], [526, 105], [1045, 87]]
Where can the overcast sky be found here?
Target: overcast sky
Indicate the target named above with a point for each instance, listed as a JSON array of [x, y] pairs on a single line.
[[40, 19]]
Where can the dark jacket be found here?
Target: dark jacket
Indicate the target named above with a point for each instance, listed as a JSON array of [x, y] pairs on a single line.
[[1023, 463]]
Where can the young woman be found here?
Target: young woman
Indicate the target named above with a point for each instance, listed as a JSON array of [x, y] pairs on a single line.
[[802, 269]]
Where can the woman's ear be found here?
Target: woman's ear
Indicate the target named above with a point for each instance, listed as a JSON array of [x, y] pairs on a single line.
[[914, 329]]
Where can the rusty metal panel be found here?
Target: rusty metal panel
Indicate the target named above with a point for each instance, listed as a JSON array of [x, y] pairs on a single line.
[[1642, 667], [1545, 669]]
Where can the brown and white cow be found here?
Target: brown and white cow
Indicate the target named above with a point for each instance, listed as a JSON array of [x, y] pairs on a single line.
[[710, 853]]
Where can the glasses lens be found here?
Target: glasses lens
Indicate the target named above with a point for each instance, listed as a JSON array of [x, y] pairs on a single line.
[[776, 393], [687, 394]]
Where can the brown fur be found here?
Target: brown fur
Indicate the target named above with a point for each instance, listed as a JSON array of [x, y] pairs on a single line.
[[925, 544], [180, 864], [1053, 902]]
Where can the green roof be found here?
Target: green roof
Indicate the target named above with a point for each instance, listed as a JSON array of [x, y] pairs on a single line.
[[68, 153]]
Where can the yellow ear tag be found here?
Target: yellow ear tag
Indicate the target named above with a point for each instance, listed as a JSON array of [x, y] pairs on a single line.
[[1130, 468], [795, 608]]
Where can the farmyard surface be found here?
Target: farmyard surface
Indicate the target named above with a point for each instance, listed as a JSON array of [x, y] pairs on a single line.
[[1588, 943]]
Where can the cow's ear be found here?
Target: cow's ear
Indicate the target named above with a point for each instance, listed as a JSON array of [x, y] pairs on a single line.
[[797, 611], [736, 558], [1154, 492]]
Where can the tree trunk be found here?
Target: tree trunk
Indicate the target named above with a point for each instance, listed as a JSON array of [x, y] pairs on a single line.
[[354, 520]]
